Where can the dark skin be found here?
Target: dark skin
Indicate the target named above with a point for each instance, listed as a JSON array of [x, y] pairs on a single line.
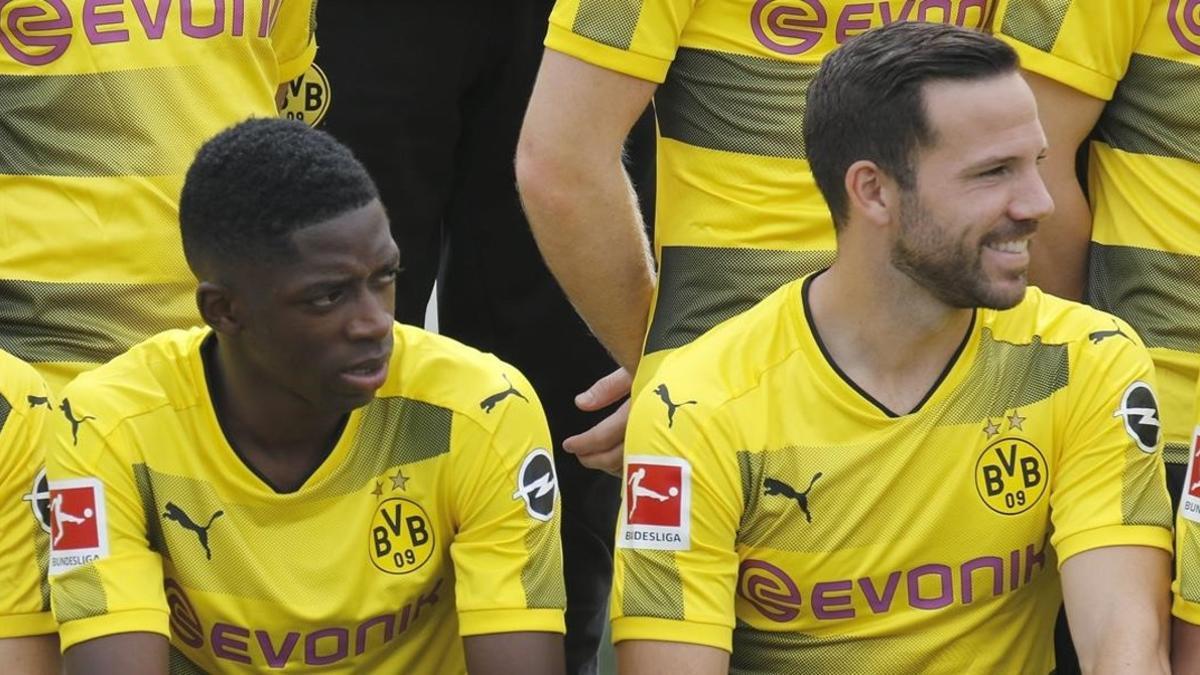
[[300, 343]]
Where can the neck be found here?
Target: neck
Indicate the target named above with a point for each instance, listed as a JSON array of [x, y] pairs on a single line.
[[888, 334], [260, 418]]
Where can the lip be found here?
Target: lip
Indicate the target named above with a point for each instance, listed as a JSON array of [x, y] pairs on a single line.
[[366, 374]]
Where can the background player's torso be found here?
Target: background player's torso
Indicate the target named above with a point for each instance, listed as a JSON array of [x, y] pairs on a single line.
[[105, 107]]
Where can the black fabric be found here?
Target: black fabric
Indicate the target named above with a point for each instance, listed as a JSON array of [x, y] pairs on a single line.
[[431, 96]]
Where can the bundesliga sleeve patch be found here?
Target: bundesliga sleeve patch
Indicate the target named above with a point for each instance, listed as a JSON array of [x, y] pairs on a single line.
[[1190, 504], [78, 526], [658, 500]]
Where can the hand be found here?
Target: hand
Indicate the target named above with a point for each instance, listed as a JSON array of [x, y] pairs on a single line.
[[603, 446]]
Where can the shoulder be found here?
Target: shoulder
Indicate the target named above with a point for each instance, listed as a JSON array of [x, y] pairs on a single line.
[[443, 372], [19, 381], [153, 374], [1053, 320]]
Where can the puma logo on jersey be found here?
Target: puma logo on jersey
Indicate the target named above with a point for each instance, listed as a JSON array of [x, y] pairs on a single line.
[[176, 514], [35, 401], [778, 487], [1102, 335], [665, 395], [490, 402], [65, 407]]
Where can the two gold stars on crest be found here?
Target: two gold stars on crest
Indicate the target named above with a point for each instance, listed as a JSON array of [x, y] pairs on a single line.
[[1015, 421], [399, 482]]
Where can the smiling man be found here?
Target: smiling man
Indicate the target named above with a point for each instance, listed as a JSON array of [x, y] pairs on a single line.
[[903, 463], [304, 483]]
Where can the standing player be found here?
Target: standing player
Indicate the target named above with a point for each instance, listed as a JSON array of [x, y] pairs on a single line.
[[894, 464], [28, 640], [1131, 72], [1185, 643], [738, 212], [305, 483], [104, 106]]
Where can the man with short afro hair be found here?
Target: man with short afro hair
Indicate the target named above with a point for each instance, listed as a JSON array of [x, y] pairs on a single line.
[[311, 483]]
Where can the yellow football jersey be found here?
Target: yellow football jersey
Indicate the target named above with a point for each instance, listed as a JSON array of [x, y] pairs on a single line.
[[25, 406], [774, 509], [738, 211], [1144, 168], [435, 516], [104, 107], [1187, 533]]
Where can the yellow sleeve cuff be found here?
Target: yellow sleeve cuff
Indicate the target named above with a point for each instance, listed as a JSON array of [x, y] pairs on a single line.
[[25, 625], [1114, 535], [133, 621], [487, 621], [295, 67], [622, 61], [1060, 70], [669, 630]]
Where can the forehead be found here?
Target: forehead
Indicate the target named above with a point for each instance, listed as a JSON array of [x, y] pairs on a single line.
[[351, 243], [972, 120]]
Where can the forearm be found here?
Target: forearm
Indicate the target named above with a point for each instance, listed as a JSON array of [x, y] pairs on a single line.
[[585, 219]]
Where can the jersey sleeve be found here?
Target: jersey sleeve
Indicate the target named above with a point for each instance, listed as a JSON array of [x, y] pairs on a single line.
[[1186, 586], [506, 551], [638, 39], [1058, 39], [104, 577], [676, 566], [294, 36], [25, 601], [1109, 487]]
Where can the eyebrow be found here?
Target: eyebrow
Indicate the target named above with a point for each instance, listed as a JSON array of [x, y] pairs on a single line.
[[996, 160]]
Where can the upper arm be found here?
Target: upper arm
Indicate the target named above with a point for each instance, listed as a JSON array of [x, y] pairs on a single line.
[[23, 608], [1109, 485], [31, 655], [1127, 622], [670, 658], [676, 565], [507, 653], [506, 510], [579, 111], [142, 653], [105, 578], [293, 36]]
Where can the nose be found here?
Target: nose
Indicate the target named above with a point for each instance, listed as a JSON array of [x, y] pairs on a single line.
[[373, 315], [1032, 200]]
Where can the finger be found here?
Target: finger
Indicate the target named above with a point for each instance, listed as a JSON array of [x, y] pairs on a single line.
[[610, 461], [608, 433], [606, 391]]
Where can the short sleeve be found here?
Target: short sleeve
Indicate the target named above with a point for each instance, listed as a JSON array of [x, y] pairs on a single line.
[[294, 37], [1110, 482], [1186, 586], [105, 579], [506, 551], [25, 408], [1058, 39], [676, 565], [638, 39]]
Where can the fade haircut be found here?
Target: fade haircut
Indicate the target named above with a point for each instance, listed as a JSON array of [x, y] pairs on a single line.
[[257, 182], [866, 103]]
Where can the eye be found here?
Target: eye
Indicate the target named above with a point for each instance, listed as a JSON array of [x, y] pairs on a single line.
[[996, 171], [327, 299], [389, 275]]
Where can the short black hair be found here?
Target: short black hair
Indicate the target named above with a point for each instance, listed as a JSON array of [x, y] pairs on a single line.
[[866, 103], [255, 183]]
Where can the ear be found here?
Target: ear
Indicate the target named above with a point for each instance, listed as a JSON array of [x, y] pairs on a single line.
[[218, 307], [871, 193]]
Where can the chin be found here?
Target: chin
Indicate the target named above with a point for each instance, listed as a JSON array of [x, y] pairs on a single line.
[[1006, 296]]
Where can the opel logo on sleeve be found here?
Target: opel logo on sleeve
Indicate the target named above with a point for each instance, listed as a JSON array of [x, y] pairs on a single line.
[[1139, 409], [536, 484]]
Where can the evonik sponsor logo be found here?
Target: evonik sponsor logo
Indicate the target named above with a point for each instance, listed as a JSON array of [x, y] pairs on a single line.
[[39, 32], [320, 646], [796, 26], [775, 594]]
